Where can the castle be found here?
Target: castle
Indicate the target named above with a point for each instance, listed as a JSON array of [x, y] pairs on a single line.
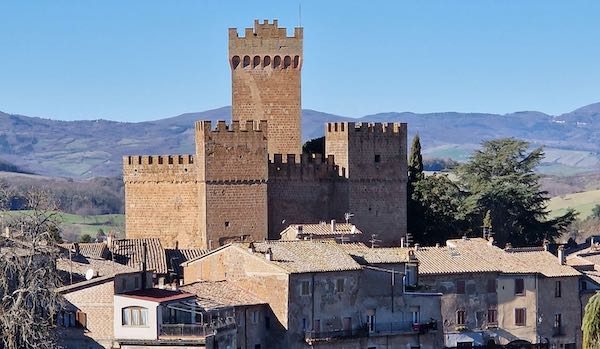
[[249, 180]]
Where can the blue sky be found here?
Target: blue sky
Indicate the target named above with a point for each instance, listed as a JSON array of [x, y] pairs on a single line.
[[143, 60]]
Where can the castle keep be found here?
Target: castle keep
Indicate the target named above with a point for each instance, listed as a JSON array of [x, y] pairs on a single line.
[[248, 180]]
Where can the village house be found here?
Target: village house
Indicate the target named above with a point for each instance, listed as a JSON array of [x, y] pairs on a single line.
[[327, 295], [536, 294]]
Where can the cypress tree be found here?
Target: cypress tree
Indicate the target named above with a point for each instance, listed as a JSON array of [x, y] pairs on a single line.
[[591, 323], [415, 161]]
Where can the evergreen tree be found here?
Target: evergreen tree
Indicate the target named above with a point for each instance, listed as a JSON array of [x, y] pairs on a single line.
[[415, 161], [500, 178], [591, 323]]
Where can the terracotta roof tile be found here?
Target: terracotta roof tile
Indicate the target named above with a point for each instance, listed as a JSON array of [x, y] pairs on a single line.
[[301, 256], [79, 265], [219, 294], [380, 255], [130, 252], [324, 229], [97, 250]]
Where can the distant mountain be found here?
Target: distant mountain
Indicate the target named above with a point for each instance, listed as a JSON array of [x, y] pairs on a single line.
[[83, 149]]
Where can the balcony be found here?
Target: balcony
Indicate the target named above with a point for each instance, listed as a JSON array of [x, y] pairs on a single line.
[[404, 327], [318, 336], [186, 331]]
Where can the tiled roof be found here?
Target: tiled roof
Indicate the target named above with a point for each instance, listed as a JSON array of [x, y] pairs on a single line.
[[97, 250], [219, 294], [302, 256], [79, 265], [180, 256], [380, 255], [130, 252], [324, 229], [518, 261], [448, 260]]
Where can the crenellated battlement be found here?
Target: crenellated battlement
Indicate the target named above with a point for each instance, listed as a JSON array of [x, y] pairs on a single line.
[[265, 30], [265, 39], [158, 168], [234, 127], [394, 128], [305, 168]]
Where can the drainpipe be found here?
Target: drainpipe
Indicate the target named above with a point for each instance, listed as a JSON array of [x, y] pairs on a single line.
[[312, 316], [144, 266], [537, 312], [245, 328]]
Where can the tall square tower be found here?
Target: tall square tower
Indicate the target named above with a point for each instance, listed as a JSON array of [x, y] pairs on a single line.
[[265, 76]]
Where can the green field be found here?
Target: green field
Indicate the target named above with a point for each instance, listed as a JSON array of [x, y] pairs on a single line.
[[582, 202], [77, 225]]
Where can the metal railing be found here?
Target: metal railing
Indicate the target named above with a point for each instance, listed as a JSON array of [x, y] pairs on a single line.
[[185, 330], [313, 336]]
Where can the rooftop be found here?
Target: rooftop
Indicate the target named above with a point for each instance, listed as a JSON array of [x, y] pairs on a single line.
[[219, 294], [301, 256], [130, 252], [380, 255], [96, 250], [79, 265], [157, 295], [323, 229]]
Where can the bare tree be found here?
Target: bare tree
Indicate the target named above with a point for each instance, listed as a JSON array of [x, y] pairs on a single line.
[[28, 276]]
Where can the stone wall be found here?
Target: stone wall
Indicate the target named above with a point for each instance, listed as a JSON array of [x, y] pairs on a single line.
[[266, 72], [161, 198]]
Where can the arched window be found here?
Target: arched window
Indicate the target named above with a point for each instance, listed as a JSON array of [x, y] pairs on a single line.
[[235, 62], [287, 61], [267, 61], [296, 61], [256, 62], [134, 316], [277, 62], [246, 61]]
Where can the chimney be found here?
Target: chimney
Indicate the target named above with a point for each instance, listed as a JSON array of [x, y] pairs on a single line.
[[437, 245], [299, 230], [561, 255], [465, 237], [333, 225], [7, 233], [161, 282], [174, 286], [269, 254], [251, 248], [546, 245], [417, 246], [76, 249], [508, 246], [144, 265], [109, 239], [591, 241], [402, 243]]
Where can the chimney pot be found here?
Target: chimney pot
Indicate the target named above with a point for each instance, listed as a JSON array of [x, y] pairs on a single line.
[[417, 247], [333, 225], [561, 255], [402, 243], [7, 233], [269, 254]]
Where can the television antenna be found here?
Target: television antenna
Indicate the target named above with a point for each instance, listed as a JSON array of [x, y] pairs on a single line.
[[374, 241]]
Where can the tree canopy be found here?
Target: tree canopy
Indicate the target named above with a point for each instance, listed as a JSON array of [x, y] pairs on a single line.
[[591, 323]]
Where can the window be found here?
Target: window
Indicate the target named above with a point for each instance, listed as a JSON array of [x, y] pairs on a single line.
[[136, 282], [460, 286], [416, 316], [519, 287], [246, 61], [134, 316], [254, 318], [557, 289], [492, 317], [303, 324], [305, 288], [461, 317], [347, 324], [227, 224], [339, 285], [464, 345], [317, 326], [123, 284], [491, 285], [583, 285], [557, 321], [371, 322], [267, 322], [377, 158], [256, 346], [67, 318], [520, 317]]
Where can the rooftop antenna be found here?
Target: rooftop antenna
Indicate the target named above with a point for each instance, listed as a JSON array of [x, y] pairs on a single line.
[[347, 216], [374, 241], [299, 13]]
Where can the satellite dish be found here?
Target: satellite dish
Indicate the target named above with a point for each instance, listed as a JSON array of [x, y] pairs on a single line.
[[89, 274]]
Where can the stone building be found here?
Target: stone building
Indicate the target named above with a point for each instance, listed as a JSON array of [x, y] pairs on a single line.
[[327, 295], [248, 180], [535, 295]]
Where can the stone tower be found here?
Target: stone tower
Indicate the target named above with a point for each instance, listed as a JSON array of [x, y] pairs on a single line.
[[265, 76], [232, 172], [372, 156]]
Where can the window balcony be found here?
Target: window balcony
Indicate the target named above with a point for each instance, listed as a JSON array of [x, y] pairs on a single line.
[[184, 331], [320, 336]]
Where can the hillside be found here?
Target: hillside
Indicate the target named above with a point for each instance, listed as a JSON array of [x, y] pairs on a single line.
[[84, 149]]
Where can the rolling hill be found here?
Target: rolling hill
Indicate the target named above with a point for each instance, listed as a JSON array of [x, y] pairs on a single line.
[[84, 149]]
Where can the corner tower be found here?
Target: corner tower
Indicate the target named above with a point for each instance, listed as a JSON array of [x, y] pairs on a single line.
[[265, 77], [372, 156]]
